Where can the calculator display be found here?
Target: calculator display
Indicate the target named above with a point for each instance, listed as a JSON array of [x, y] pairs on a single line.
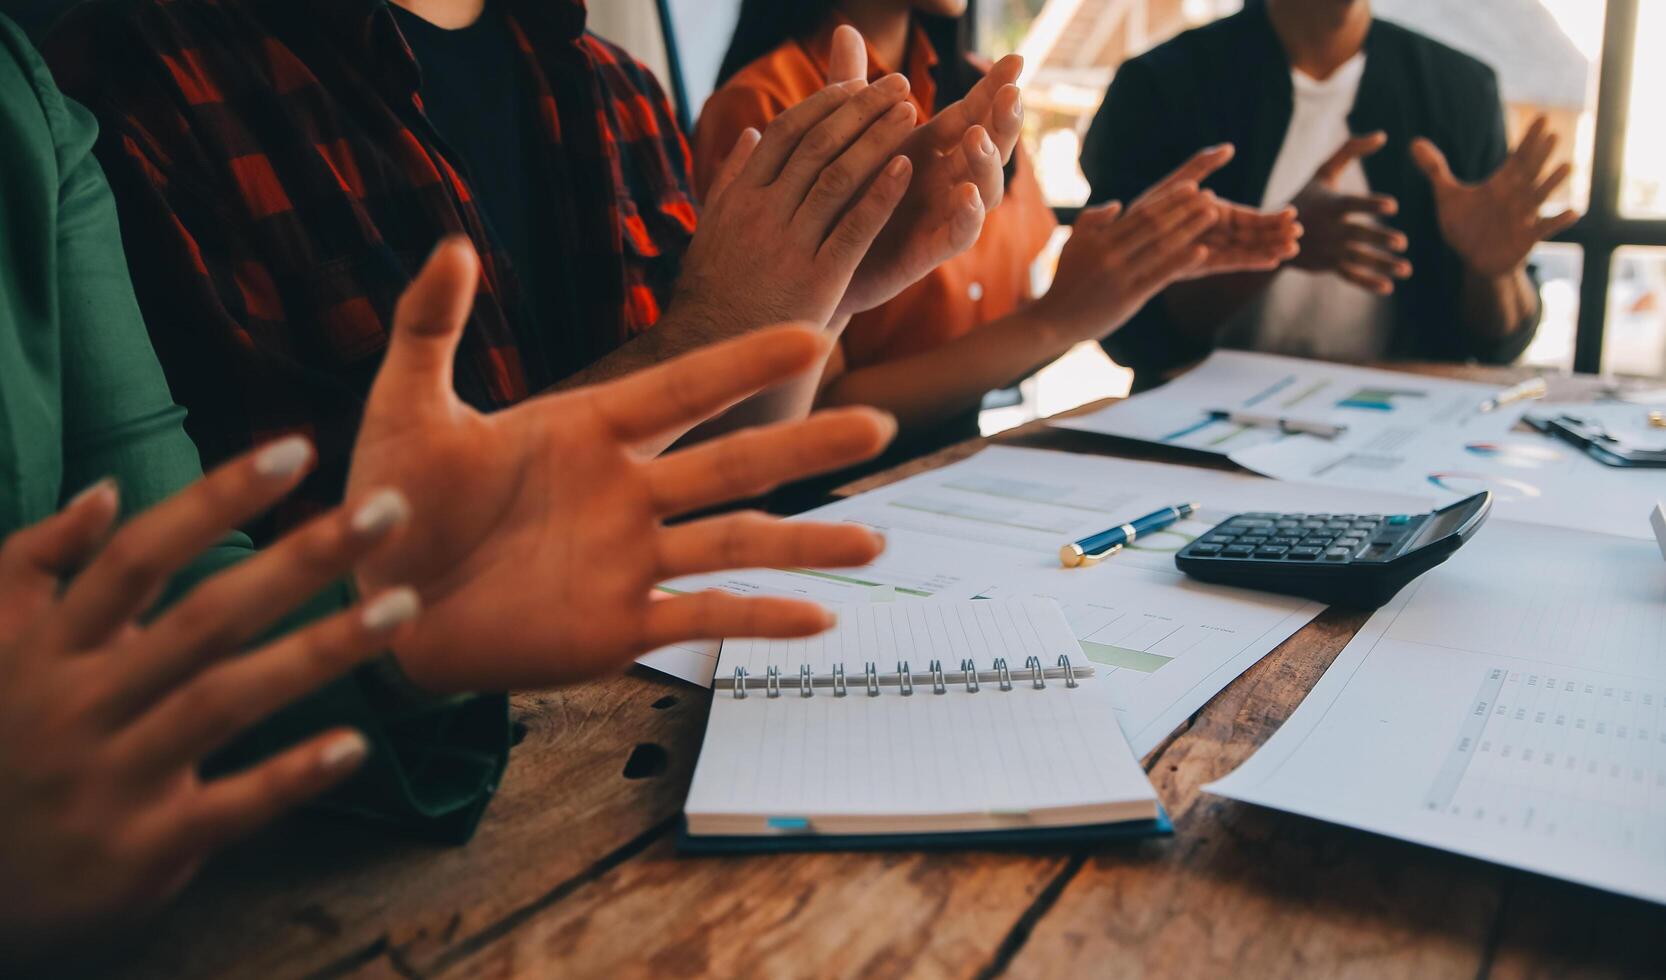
[[1438, 525]]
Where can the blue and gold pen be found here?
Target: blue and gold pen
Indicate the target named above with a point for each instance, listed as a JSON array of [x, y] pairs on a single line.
[[1095, 549]]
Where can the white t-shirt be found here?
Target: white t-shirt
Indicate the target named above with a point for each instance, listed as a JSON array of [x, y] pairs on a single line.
[[1317, 314]]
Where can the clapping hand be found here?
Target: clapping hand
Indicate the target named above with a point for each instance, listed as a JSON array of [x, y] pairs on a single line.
[[543, 528], [1241, 238], [1493, 225], [1339, 235], [957, 161]]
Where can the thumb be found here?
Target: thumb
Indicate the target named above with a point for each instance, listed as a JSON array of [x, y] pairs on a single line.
[[1099, 217], [1356, 148], [849, 60], [1432, 162], [427, 326], [735, 163]]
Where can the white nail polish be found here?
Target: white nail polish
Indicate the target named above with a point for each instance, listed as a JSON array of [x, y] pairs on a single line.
[[106, 485], [344, 752], [284, 458], [391, 610], [385, 510]]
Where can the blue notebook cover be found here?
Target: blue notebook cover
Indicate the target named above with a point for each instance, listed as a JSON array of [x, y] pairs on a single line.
[[1045, 837]]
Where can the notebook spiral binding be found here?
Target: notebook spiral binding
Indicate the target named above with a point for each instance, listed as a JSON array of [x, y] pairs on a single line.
[[902, 680]]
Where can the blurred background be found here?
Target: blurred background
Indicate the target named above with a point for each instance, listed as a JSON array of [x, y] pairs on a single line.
[[1596, 68]]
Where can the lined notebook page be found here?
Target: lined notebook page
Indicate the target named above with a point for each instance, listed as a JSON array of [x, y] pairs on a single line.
[[1025, 755]]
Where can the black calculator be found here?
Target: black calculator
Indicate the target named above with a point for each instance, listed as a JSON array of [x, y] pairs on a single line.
[[1358, 560]]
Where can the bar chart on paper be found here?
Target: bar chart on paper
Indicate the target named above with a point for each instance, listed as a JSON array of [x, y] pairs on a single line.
[[1166, 644]]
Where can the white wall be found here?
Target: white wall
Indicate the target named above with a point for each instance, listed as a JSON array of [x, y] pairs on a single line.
[[634, 26], [703, 31]]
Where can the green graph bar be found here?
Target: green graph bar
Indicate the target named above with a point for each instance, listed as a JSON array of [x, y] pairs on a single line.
[[830, 577], [1110, 656]]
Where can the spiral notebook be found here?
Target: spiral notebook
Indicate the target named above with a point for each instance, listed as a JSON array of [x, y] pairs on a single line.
[[917, 724]]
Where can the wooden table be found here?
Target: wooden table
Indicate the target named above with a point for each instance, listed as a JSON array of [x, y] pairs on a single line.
[[573, 873]]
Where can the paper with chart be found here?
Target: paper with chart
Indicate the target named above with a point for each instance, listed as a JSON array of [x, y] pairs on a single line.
[[1363, 399], [1509, 705], [949, 755], [991, 526], [1532, 477]]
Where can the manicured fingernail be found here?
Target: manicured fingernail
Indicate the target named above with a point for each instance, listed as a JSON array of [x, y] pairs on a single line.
[[344, 752], [892, 85], [391, 610], [829, 620], [879, 539], [103, 488], [284, 458], [898, 167], [900, 111], [385, 510]]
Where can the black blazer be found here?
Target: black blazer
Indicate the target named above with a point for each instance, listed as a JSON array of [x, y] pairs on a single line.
[[1229, 82]]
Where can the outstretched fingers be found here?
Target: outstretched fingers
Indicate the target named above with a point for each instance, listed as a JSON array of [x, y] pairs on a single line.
[[416, 372], [232, 608], [1356, 148], [216, 706], [44, 553], [755, 540], [754, 461], [719, 615], [233, 807], [130, 572], [684, 392]]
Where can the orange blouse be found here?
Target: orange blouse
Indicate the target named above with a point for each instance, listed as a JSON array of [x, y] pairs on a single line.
[[989, 281]]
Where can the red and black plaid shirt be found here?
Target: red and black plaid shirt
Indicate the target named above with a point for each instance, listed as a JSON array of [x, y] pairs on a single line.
[[279, 185]]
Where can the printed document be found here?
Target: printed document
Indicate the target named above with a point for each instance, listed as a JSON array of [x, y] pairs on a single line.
[[991, 526], [1509, 705]]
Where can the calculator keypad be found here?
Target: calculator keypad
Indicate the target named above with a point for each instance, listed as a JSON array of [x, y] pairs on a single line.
[[1320, 538]]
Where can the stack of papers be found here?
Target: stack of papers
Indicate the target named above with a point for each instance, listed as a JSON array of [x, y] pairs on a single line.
[[1406, 434]]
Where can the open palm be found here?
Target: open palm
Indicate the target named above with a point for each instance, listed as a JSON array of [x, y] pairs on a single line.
[[1494, 224], [542, 534]]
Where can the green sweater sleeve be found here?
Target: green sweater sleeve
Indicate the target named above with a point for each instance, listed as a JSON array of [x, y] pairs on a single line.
[[82, 397]]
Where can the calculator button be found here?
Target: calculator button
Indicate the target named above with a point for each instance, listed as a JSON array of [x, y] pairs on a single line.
[[1253, 522], [1289, 524], [1320, 517], [1366, 526], [1271, 551], [1259, 516], [1306, 554], [1226, 531], [1339, 554], [1293, 517], [1336, 525], [1399, 519], [1284, 541], [1316, 541], [1347, 517], [1206, 550], [1349, 542], [1238, 551], [1253, 540], [1220, 539], [1371, 517]]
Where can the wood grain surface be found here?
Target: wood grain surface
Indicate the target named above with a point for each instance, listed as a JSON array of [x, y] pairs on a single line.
[[573, 873]]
